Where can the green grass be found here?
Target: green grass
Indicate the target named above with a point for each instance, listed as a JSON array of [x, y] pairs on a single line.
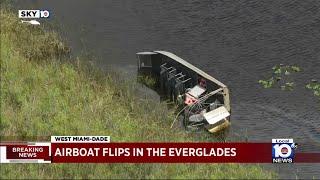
[[45, 93]]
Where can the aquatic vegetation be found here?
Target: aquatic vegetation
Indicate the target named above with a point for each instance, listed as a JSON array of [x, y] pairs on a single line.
[[288, 86], [314, 85], [286, 69], [281, 77], [267, 83]]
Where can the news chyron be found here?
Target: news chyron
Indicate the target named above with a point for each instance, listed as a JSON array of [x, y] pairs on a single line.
[[283, 150], [34, 14]]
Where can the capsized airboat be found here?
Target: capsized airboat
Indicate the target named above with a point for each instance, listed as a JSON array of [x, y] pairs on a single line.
[[204, 100]]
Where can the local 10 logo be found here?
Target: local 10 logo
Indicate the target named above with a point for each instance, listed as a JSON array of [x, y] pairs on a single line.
[[283, 150]]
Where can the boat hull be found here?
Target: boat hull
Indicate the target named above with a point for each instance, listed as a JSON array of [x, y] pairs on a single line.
[[175, 76]]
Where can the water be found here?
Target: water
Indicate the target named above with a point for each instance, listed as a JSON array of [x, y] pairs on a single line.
[[237, 42]]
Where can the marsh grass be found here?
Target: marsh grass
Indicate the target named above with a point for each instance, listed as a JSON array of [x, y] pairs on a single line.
[[149, 81], [44, 93]]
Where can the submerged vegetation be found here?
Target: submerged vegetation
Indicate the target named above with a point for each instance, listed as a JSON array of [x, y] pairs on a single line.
[[281, 77], [44, 93], [315, 87]]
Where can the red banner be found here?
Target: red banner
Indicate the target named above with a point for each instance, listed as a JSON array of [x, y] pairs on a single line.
[[162, 152], [147, 153], [28, 152]]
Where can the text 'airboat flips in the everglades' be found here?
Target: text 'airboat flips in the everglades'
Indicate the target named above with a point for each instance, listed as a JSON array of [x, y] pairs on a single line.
[[204, 101]]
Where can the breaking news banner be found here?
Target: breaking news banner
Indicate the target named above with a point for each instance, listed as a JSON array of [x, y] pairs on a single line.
[[25, 152], [99, 149]]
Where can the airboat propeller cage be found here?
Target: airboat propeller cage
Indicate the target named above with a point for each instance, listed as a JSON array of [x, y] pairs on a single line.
[[160, 63]]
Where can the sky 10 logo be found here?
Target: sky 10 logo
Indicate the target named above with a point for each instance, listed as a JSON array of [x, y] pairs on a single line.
[[283, 150], [34, 14]]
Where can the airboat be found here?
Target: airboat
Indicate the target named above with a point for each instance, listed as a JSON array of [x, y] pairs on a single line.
[[203, 101]]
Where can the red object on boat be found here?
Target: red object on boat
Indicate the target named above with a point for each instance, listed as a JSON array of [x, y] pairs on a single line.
[[190, 99]]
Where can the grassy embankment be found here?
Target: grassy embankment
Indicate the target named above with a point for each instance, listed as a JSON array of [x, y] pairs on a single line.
[[43, 93]]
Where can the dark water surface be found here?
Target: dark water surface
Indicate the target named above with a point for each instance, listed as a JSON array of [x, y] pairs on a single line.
[[237, 42]]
